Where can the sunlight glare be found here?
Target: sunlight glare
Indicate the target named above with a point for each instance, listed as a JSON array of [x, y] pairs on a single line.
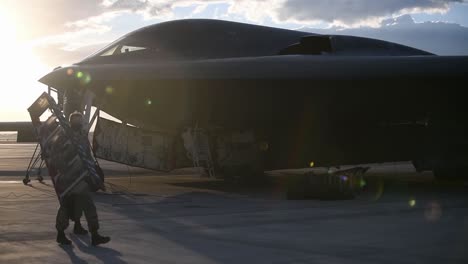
[[19, 71]]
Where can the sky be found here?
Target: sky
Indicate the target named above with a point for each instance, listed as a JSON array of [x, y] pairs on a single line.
[[39, 35]]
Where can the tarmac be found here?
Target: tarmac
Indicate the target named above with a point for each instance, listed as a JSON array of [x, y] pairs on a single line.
[[402, 217]]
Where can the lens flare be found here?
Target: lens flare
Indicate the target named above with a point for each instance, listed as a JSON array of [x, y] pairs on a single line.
[[87, 79], [362, 183], [149, 102], [433, 212], [412, 202], [79, 75], [264, 146], [311, 164], [379, 188], [70, 72], [109, 90]]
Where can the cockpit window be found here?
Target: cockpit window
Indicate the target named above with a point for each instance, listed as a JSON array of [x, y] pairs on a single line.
[[109, 52], [121, 49], [127, 49]]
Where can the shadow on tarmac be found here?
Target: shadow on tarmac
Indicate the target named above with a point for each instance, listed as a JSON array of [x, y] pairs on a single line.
[[106, 255]]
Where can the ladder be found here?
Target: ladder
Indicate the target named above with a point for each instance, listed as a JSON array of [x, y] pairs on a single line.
[[201, 154], [33, 162], [36, 157], [58, 143]]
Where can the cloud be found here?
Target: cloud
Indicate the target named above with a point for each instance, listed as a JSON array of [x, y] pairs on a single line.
[[133, 5], [34, 19], [80, 34], [50, 16], [441, 38], [345, 13], [352, 13], [54, 55]]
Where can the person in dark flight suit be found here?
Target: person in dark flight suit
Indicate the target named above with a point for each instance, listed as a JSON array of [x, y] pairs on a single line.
[[79, 200]]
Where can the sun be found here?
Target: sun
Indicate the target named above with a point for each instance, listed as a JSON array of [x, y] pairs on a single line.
[[19, 71]]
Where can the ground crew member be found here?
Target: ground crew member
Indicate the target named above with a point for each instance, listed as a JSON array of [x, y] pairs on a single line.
[[78, 200], [75, 215]]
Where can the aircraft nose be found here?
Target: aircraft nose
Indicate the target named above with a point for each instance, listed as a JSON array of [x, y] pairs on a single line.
[[64, 77], [54, 78]]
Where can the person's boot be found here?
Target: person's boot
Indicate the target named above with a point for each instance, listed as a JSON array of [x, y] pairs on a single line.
[[97, 239], [62, 239], [79, 230]]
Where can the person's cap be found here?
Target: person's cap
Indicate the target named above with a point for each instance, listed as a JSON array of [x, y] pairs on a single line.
[[76, 115]]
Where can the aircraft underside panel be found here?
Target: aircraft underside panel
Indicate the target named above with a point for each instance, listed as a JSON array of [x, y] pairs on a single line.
[[133, 146]]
